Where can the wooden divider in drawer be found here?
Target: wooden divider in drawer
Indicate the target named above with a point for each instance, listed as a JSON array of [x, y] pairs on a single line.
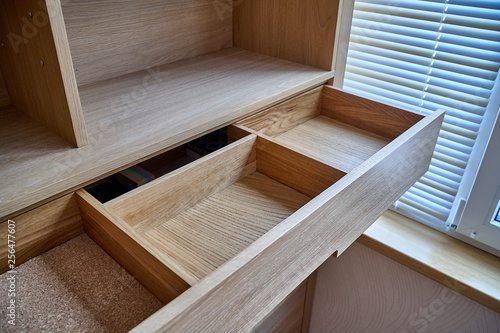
[[197, 218], [332, 126]]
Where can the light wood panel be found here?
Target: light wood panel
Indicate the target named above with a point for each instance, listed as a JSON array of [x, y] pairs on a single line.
[[109, 39], [4, 95], [146, 114], [64, 78], [41, 229], [301, 173], [341, 46], [262, 275], [286, 115], [214, 231], [154, 203], [119, 241], [288, 316], [364, 291], [14, 62], [296, 30], [377, 118], [459, 266], [341, 146], [35, 77]]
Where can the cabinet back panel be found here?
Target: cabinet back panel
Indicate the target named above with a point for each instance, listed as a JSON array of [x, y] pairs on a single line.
[[297, 30], [4, 95], [111, 38]]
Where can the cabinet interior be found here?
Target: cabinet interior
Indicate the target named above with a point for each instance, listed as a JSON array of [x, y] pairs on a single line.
[[131, 61]]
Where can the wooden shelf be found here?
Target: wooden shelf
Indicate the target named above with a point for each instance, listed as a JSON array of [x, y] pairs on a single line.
[[139, 115]]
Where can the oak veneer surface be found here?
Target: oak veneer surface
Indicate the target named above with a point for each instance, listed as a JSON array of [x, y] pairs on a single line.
[[296, 30], [339, 145], [119, 241], [263, 274], [218, 228], [38, 65], [14, 63], [131, 35], [286, 115], [364, 291], [136, 116], [152, 204], [41, 229]]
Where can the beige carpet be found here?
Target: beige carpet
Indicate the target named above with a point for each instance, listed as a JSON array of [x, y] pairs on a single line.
[[76, 287]]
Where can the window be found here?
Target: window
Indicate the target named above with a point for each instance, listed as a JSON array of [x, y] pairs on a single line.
[[427, 55], [481, 214]]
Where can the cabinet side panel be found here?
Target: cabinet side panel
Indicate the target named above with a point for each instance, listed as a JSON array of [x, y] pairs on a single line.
[[4, 95], [110, 38], [40, 230], [296, 30], [371, 116]]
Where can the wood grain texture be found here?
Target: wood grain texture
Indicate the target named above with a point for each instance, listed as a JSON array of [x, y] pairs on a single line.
[[154, 203], [371, 116], [42, 229], [4, 94], [108, 39], [304, 174], [234, 133], [209, 234], [364, 291], [288, 316], [342, 36], [66, 75], [14, 61], [296, 30], [286, 115], [459, 266], [146, 114], [121, 243], [263, 274], [341, 146], [36, 80], [309, 301]]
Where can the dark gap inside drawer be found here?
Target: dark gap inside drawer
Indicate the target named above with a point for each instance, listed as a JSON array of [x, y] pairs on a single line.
[[126, 180]]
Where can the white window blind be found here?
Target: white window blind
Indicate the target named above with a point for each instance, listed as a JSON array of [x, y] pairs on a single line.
[[427, 55]]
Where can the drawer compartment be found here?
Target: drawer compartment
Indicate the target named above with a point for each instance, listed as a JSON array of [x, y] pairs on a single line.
[[200, 216], [334, 127], [304, 179]]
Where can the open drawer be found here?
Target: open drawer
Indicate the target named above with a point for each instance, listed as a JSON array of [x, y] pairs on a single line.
[[227, 237]]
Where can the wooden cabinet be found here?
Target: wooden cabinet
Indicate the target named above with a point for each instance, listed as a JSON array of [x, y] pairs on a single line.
[[224, 239]]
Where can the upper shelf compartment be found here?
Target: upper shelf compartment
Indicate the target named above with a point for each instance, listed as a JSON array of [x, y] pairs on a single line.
[[153, 74], [110, 39], [36, 63]]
